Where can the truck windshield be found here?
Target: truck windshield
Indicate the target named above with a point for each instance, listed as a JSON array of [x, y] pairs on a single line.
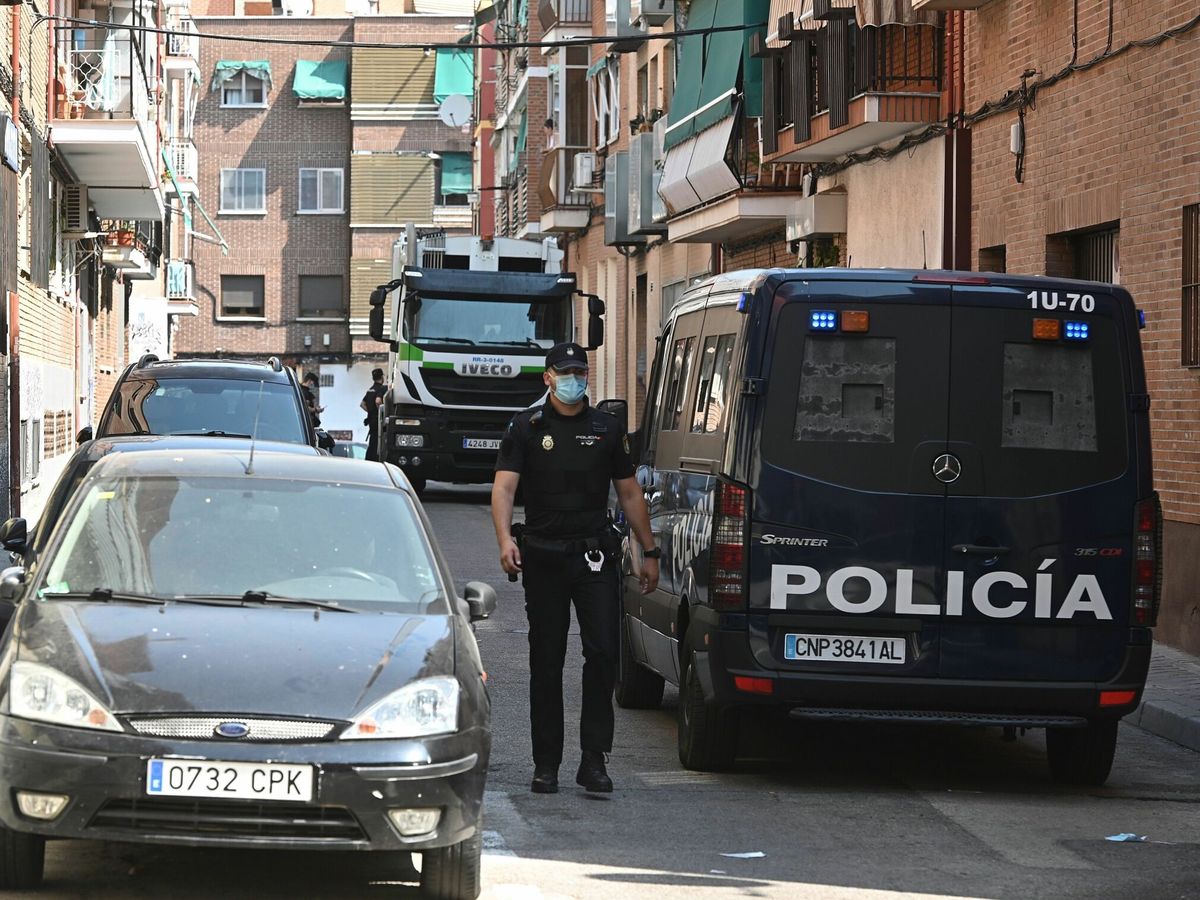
[[441, 320]]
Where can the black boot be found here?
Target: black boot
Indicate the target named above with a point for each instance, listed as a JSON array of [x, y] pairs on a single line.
[[592, 775], [545, 780]]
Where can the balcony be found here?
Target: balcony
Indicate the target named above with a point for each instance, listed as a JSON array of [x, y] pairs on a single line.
[[183, 50], [858, 88], [453, 218], [565, 19], [104, 126], [563, 209], [184, 165], [181, 288], [131, 253]]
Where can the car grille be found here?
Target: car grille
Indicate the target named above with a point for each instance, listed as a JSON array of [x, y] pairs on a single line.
[[453, 389], [229, 819], [203, 728]]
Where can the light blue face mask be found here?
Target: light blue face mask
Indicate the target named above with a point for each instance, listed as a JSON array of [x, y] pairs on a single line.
[[570, 388]]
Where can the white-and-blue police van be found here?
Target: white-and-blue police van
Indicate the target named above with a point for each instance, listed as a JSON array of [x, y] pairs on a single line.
[[892, 495]]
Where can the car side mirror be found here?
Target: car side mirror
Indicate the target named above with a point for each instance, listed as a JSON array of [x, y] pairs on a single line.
[[12, 583], [325, 440], [14, 535], [618, 409], [481, 599], [85, 435]]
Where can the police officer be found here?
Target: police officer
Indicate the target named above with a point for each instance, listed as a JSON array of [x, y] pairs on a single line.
[[565, 453]]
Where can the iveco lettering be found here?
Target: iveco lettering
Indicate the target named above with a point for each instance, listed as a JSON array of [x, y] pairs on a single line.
[[900, 496]]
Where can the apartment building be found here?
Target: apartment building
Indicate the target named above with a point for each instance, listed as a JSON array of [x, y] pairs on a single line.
[[320, 155], [84, 214]]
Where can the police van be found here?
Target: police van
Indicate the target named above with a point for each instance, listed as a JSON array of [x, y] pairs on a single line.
[[897, 496]]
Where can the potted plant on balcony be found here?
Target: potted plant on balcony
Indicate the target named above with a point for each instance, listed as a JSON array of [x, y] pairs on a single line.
[[638, 124]]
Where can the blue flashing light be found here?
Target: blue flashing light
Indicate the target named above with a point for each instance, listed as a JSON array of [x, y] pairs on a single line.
[[1076, 331], [1141, 318], [743, 303], [822, 320]]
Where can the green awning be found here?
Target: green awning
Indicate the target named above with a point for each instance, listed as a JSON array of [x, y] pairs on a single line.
[[228, 69], [325, 80], [681, 124], [187, 217], [456, 173], [597, 67], [453, 74], [752, 89], [722, 60]]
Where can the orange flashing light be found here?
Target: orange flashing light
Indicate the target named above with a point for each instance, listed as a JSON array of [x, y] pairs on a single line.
[[1046, 329], [856, 320]]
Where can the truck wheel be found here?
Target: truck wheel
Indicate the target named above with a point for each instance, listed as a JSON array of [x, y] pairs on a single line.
[[707, 734], [22, 860], [418, 482], [1082, 756], [452, 873], [637, 686]]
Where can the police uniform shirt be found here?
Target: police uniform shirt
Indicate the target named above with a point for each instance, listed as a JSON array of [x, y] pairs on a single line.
[[566, 464], [375, 390]]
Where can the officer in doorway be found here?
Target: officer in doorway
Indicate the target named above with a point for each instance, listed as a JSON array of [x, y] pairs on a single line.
[[566, 453]]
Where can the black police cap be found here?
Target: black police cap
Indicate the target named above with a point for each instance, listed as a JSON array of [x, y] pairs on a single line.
[[566, 356]]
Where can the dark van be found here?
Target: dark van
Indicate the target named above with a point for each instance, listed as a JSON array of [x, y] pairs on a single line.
[[898, 496]]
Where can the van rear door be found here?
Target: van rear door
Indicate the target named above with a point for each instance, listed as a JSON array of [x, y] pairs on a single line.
[[1040, 517], [847, 522]]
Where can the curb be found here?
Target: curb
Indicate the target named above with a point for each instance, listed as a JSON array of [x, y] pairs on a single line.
[[1169, 720]]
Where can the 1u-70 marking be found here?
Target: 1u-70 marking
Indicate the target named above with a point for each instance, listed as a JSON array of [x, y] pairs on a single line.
[[1072, 302]]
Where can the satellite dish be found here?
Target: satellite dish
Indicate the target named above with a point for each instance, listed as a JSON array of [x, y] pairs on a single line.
[[455, 110]]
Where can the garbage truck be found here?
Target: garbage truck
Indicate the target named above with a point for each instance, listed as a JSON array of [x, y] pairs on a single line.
[[468, 320]]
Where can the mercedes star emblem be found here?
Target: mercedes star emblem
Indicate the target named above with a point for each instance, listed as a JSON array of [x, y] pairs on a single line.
[[947, 468]]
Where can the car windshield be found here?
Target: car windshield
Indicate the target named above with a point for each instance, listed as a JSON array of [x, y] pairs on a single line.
[[492, 323], [360, 547], [222, 406]]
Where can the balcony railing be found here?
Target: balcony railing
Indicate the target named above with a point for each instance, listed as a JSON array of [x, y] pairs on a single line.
[[552, 13], [885, 59], [181, 280], [554, 189], [106, 75], [184, 160], [185, 45]]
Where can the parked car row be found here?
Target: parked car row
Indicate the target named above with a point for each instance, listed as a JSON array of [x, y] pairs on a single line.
[[182, 667]]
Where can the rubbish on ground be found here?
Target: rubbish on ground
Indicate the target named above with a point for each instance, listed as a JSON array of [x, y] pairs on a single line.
[[1126, 836], [754, 854]]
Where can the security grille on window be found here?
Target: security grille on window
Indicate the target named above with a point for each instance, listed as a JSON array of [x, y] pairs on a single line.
[[243, 190], [1098, 255], [321, 191], [242, 296], [1190, 353], [322, 297], [244, 90]]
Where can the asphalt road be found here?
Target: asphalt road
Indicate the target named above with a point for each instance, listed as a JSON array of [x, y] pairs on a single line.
[[835, 810]]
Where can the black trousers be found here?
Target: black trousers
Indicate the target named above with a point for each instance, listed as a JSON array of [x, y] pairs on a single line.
[[373, 445], [553, 580]]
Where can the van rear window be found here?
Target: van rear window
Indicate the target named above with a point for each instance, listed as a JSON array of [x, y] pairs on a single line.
[[847, 390], [1049, 398]]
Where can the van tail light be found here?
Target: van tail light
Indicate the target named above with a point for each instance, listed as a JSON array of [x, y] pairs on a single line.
[[727, 551], [1147, 561]]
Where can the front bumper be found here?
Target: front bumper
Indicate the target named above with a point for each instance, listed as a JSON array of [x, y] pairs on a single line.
[[444, 456], [356, 783]]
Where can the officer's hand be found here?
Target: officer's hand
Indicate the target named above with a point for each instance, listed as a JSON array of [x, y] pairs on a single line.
[[510, 557], [649, 578]]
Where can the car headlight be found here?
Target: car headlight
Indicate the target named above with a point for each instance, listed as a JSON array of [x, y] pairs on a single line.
[[47, 695], [425, 707]]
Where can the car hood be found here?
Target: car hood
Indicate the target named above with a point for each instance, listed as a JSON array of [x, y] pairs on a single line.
[[181, 657]]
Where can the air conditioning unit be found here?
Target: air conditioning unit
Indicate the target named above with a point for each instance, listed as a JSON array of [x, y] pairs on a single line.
[[651, 12], [585, 170], [821, 214], [75, 209]]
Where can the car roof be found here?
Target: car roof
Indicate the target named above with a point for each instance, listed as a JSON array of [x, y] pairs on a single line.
[[209, 368], [104, 446], [219, 460]]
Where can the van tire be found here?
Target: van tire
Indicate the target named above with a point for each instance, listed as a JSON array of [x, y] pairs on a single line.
[[452, 873], [637, 686], [418, 483], [1082, 756], [707, 733], [22, 860]]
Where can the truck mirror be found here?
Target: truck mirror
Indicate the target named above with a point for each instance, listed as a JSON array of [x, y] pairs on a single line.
[[375, 320], [618, 409], [595, 305], [595, 332]]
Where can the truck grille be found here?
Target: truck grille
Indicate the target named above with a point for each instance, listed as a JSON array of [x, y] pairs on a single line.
[[459, 390], [209, 818]]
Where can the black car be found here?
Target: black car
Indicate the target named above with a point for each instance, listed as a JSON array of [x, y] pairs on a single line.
[[180, 669], [217, 397], [898, 496]]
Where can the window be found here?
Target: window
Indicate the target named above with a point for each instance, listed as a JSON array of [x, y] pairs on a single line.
[[1049, 399], [681, 364], [244, 90], [242, 296], [847, 391], [1190, 355], [243, 190], [605, 93], [711, 395], [322, 297], [670, 293], [993, 259], [321, 191], [1097, 255], [452, 174]]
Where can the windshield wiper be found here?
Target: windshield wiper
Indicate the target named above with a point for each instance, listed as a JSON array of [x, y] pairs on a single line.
[[233, 434], [445, 340], [105, 595], [528, 342], [261, 598]]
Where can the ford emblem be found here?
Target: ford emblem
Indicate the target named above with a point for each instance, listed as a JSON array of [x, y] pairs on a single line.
[[232, 730]]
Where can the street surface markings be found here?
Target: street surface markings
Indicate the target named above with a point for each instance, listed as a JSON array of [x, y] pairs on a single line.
[[1004, 824], [502, 819], [665, 779]]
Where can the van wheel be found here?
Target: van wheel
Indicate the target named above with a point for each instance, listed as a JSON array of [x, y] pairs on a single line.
[[452, 873], [637, 686], [1082, 756], [22, 860], [707, 734]]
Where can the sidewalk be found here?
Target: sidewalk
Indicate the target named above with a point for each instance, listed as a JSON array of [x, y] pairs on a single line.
[[1171, 702], [34, 500]]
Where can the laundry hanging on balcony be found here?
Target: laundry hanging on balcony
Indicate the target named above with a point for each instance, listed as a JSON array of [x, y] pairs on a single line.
[[229, 69], [453, 74], [325, 80]]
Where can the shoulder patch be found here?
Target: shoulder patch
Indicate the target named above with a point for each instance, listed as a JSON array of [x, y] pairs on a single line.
[[625, 443]]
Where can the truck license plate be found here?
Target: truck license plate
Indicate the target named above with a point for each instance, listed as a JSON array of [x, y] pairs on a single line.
[[481, 443]]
